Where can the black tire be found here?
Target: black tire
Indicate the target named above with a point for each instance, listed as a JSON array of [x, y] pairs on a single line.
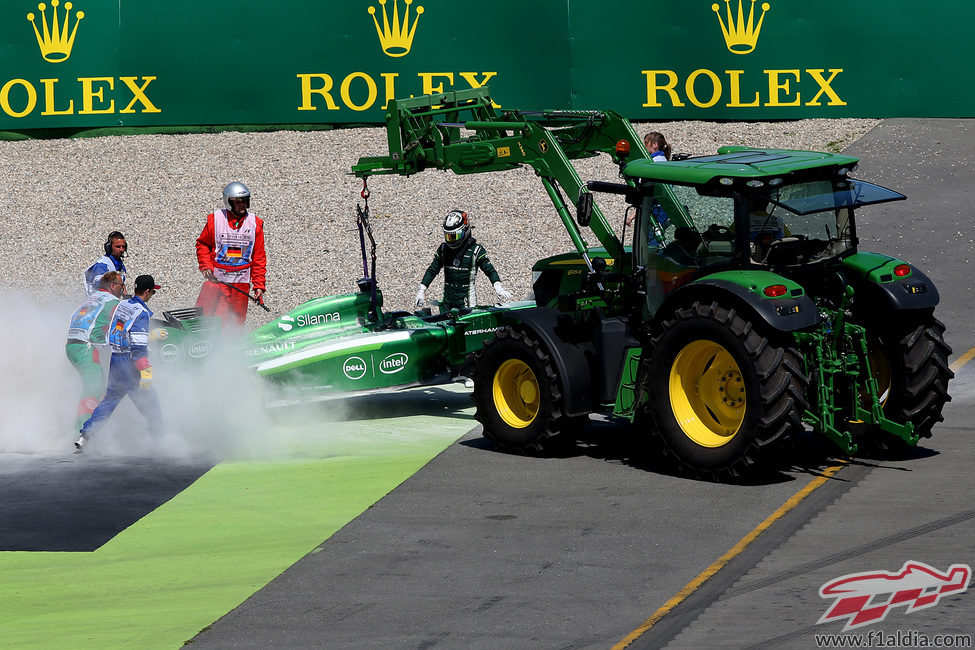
[[721, 394], [518, 393], [909, 360]]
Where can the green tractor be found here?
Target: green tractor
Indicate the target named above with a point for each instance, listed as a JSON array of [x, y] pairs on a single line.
[[736, 312]]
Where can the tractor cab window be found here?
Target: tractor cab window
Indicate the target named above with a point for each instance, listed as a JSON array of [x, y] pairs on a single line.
[[819, 219], [701, 232], [678, 232]]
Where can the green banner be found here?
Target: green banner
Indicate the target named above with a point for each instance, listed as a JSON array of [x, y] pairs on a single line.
[[102, 63], [747, 59]]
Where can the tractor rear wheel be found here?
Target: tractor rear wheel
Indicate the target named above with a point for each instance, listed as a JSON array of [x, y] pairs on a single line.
[[909, 360], [518, 393], [721, 394]]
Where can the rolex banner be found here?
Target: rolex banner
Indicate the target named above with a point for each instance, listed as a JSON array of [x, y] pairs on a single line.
[[100, 63]]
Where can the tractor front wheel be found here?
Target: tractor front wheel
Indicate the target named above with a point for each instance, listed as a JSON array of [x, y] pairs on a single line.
[[720, 392], [518, 393]]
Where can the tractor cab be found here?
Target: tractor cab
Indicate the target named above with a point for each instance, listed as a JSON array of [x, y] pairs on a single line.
[[787, 211]]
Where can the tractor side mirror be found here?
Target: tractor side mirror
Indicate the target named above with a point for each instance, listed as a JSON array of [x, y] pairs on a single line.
[[584, 207]]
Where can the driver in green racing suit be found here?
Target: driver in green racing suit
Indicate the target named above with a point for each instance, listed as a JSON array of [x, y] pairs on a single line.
[[460, 256]]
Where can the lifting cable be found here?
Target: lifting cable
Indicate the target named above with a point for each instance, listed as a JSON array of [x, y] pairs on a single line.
[[362, 223]]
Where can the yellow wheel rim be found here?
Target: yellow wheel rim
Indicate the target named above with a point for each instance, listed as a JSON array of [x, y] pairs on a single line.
[[516, 394], [707, 393]]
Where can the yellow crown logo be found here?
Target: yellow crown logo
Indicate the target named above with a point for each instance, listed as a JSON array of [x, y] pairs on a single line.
[[396, 39], [55, 43], [739, 37]]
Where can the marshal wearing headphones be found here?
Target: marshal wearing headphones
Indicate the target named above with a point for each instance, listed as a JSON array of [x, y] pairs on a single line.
[[115, 248], [122, 244]]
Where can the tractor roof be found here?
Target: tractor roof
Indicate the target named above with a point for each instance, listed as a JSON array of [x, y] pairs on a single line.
[[739, 163]]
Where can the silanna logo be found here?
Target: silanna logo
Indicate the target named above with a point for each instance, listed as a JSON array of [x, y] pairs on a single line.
[[308, 319], [740, 35], [865, 598], [396, 38], [57, 40]]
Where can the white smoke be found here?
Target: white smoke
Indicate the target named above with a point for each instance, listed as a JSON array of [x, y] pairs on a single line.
[[39, 389], [211, 411]]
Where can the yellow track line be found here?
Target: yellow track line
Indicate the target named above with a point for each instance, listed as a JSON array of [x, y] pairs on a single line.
[[962, 360], [735, 550]]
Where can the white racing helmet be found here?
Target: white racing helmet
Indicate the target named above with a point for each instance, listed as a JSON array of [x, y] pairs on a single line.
[[456, 228], [235, 190]]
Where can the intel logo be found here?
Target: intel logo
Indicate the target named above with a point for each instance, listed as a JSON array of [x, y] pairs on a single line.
[[200, 349], [393, 363]]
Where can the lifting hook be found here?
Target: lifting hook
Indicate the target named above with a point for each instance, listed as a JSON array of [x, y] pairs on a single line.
[[365, 193]]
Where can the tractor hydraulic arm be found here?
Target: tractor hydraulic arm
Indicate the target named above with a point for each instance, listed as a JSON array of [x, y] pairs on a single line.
[[462, 131]]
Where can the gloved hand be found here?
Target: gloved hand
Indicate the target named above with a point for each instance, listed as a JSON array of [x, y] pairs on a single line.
[[419, 296], [145, 378], [159, 334], [502, 292]]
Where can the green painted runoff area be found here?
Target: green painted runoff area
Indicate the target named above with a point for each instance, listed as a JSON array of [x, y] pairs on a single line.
[[183, 566]]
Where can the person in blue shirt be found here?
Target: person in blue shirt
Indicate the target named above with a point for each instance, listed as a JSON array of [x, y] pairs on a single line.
[[129, 372], [657, 146], [88, 338], [659, 150], [115, 248]]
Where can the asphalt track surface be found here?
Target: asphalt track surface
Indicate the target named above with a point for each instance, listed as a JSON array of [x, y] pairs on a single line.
[[407, 530]]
